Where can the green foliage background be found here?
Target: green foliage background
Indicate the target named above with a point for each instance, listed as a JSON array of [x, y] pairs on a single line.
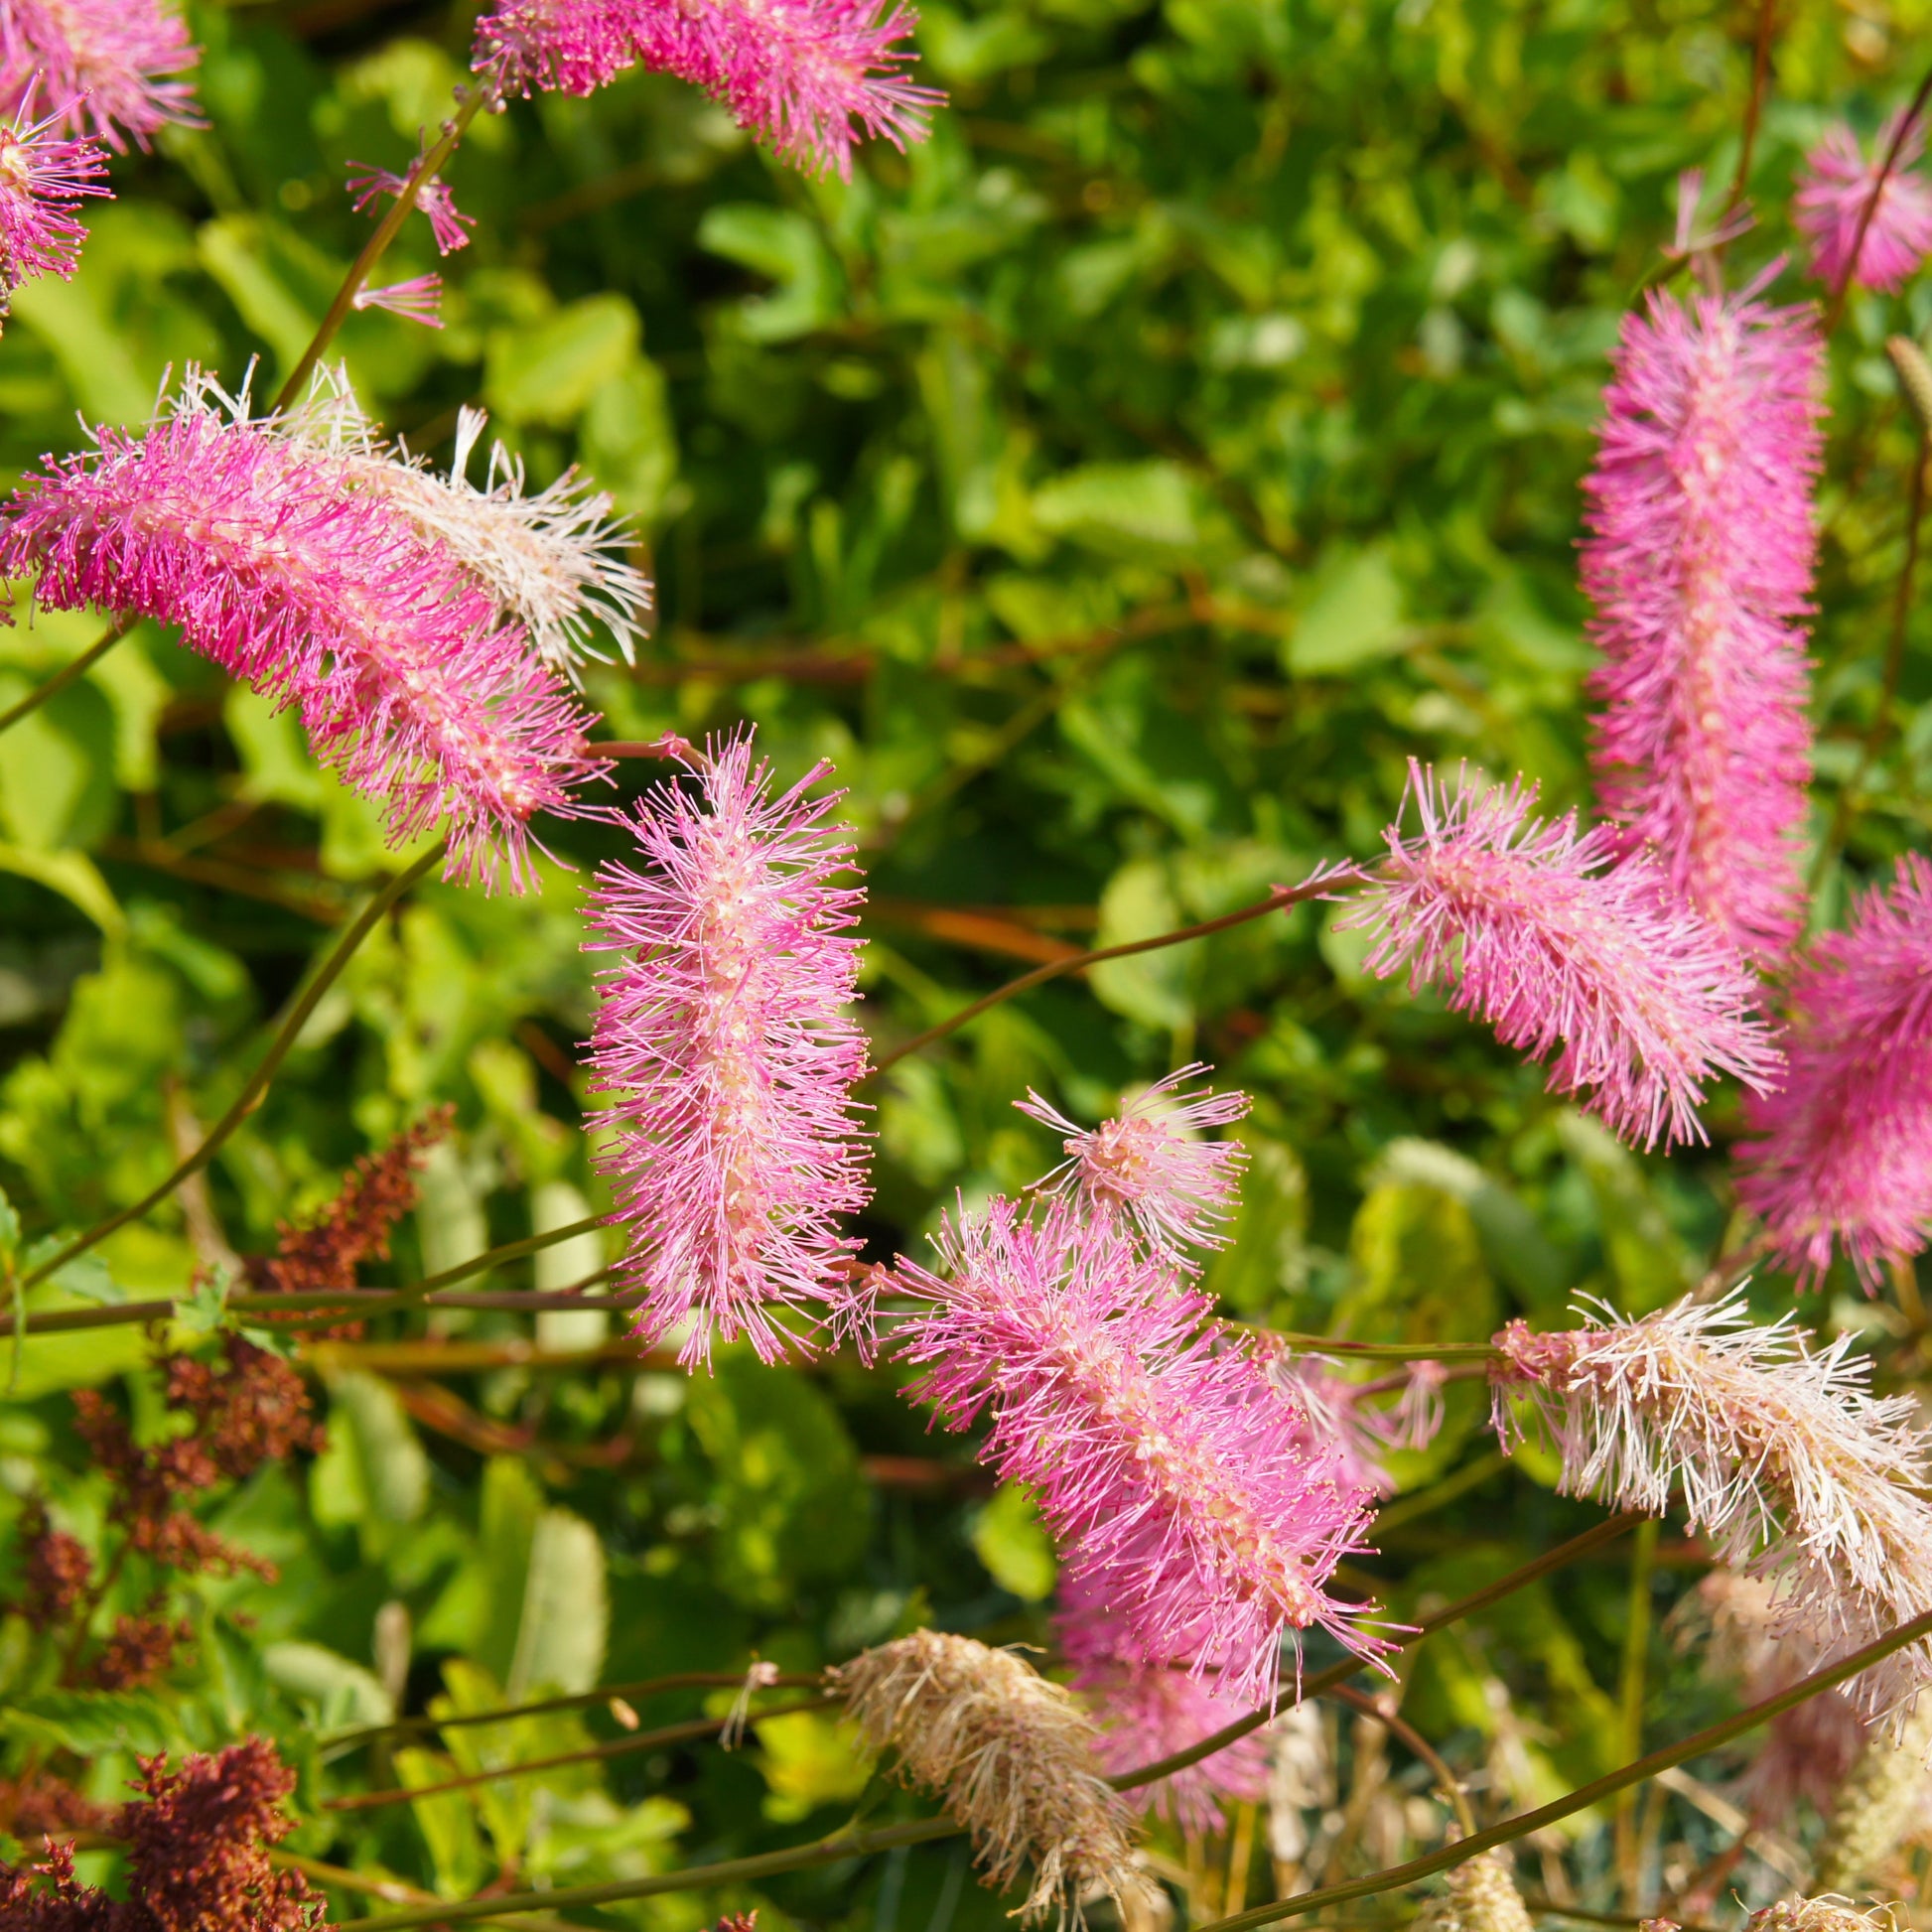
[[1118, 487]]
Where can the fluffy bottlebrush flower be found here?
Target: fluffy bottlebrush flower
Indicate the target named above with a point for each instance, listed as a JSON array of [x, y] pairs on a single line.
[[1836, 190], [110, 61], [1881, 1800], [811, 77], [1180, 1482], [1478, 1895], [1147, 1712], [43, 174], [1700, 566], [1010, 1756], [1842, 1158], [408, 683], [1784, 1461], [1535, 928], [552, 562], [448, 224], [724, 1037], [420, 299], [1147, 1163], [1820, 1915]]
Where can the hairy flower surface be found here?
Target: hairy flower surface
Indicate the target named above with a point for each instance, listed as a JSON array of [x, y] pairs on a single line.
[[408, 683], [43, 174], [1700, 564], [113, 63], [1563, 951], [811, 77], [1836, 190], [448, 224], [1841, 1158], [1147, 1712], [1180, 1480], [1783, 1458], [1149, 1164], [1010, 1756], [724, 1039]]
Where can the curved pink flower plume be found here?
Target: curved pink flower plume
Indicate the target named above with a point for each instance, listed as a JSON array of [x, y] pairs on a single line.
[[1530, 925], [43, 174], [449, 226], [420, 299], [723, 1037], [1830, 207], [112, 63], [1700, 565]]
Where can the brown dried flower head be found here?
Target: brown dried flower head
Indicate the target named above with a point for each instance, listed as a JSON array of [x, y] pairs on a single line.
[[55, 1569], [1010, 1756], [1822, 1914], [1478, 1895]]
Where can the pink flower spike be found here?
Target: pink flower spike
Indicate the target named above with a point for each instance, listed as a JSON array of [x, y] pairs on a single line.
[[448, 224], [408, 684], [809, 76], [42, 174], [723, 1037], [1842, 1161], [1834, 193], [1146, 1162], [109, 60], [420, 299], [1700, 565], [1532, 926], [1181, 1485]]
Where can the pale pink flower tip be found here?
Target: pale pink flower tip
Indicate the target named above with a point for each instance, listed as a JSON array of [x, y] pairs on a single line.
[[1179, 1484], [112, 63], [41, 176], [1835, 193], [1700, 566], [1841, 1158], [809, 76], [448, 224], [1146, 1162], [1531, 925], [420, 299], [725, 1038]]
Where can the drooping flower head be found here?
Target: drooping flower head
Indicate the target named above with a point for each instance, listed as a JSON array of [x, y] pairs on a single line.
[[1147, 1712], [1532, 926], [43, 174], [1842, 1161], [1836, 190], [724, 1038], [1782, 1458], [1700, 566], [113, 63], [408, 683], [1179, 1481], [1149, 1164], [420, 299], [448, 224], [810, 78], [1010, 1757]]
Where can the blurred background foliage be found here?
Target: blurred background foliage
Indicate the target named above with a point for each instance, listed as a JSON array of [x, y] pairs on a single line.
[[1120, 488]]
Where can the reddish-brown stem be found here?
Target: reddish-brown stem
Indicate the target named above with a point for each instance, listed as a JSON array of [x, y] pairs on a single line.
[[1754, 106], [1841, 289]]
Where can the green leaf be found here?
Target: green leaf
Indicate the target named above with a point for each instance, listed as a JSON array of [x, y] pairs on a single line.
[[1150, 987], [88, 1723], [1354, 618], [1649, 1264], [343, 1693], [547, 371], [1122, 509], [390, 1471], [561, 1635], [1014, 1544], [787, 247], [809, 1759]]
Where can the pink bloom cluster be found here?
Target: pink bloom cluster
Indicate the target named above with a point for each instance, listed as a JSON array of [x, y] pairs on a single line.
[[110, 61], [408, 682], [448, 224], [724, 1037], [43, 174], [1843, 1155], [1830, 207], [1564, 952], [809, 76], [1180, 1482], [420, 299], [1700, 565]]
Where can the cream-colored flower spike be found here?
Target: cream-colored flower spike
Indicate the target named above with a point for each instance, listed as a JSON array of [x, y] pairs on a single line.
[[1780, 1452], [1010, 1757], [1820, 1915], [1478, 1895], [1881, 1799]]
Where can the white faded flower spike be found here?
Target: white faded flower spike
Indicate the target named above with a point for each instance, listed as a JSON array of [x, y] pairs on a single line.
[[1784, 1460]]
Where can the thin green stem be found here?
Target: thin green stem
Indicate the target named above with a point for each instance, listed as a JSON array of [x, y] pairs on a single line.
[[1631, 1692], [1386, 1351], [250, 1096], [69, 673]]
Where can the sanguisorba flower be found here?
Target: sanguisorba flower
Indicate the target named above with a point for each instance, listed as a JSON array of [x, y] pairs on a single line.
[[1149, 1164], [449, 226], [1536, 926], [409, 683], [1700, 565], [419, 300], [43, 175], [725, 1038], [1780, 1453], [1178, 1480], [115, 63], [1836, 190], [1842, 1154], [810, 78]]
